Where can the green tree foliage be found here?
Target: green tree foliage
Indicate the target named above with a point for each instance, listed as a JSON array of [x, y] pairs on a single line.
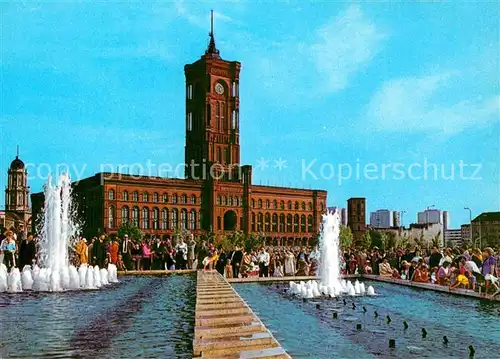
[[130, 229], [345, 237], [390, 241], [365, 242], [377, 239]]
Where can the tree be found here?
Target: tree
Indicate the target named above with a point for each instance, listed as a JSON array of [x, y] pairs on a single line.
[[253, 241], [366, 241], [391, 241], [345, 237], [436, 241], [130, 229], [377, 239], [314, 241]]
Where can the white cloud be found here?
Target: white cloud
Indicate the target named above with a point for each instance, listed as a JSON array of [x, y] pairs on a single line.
[[344, 46], [421, 104]]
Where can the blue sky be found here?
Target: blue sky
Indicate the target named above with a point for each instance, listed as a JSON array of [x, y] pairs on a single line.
[[322, 85]]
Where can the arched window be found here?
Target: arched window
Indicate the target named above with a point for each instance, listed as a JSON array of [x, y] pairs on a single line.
[[230, 200], [145, 218], [303, 223], [135, 196], [289, 205], [275, 204], [267, 224], [289, 226], [253, 222], [155, 197], [125, 195], [175, 218], [193, 199], [282, 204], [310, 206], [253, 203], [135, 216], [322, 206], [165, 198], [268, 204], [237, 201], [310, 223], [274, 225], [184, 219], [296, 223], [192, 220], [282, 223], [296, 205], [145, 197], [303, 206], [219, 200], [111, 217], [260, 203], [174, 198], [164, 218], [111, 195], [125, 214], [260, 222], [183, 199], [156, 218]]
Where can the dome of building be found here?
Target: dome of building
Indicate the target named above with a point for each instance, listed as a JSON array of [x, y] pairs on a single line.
[[17, 164]]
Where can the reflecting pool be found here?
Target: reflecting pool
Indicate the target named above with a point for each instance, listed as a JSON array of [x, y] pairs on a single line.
[[147, 316], [307, 331]]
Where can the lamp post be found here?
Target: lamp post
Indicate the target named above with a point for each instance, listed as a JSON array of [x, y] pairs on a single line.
[[470, 222], [427, 223]]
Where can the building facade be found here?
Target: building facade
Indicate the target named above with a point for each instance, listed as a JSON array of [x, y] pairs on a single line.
[[486, 229], [356, 217], [465, 232], [17, 214], [453, 237], [396, 219], [217, 193], [381, 218], [430, 216]]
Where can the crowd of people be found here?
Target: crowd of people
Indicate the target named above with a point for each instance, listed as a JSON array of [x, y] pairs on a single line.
[[472, 269]]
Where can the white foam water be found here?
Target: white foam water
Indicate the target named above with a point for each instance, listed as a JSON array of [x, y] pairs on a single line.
[[57, 235], [330, 283]]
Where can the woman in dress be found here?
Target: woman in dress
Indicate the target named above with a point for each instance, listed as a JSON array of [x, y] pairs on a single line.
[[289, 264]]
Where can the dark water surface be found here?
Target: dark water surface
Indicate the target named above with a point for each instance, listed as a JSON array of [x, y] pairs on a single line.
[[307, 332], [141, 317]]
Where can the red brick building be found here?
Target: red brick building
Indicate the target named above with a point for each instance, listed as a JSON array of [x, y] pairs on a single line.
[[217, 193]]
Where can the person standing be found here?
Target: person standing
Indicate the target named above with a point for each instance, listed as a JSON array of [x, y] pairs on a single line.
[[9, 250], [83, 251], [98, 252], [191, 248], [181, 250], [126, 250], [263, 263], [113, 251], [27, 252], [236, 259]]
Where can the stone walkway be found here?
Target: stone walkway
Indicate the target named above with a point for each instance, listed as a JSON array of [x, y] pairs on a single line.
[[225, 325]]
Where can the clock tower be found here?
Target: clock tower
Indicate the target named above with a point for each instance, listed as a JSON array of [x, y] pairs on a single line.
[[212, 116]]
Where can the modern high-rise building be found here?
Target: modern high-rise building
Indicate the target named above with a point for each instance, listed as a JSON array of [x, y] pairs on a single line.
[[446, 220], [429, 216], [465, 232], [381, 218], [356, 216], [396, 219]]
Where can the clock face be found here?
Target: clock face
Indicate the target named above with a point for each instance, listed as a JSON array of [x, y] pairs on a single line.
[[219, 89]]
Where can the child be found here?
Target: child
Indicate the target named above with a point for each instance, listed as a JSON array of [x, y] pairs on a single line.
[[228, 272], [278, 270], [119, 264]]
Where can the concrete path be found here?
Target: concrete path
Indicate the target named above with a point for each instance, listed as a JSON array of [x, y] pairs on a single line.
[[225, 325]]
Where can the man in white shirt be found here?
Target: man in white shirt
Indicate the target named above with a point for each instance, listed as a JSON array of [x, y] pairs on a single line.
[[263, 263]]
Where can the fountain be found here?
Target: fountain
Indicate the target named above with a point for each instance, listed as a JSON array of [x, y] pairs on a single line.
[[57, 236], [330, 282]]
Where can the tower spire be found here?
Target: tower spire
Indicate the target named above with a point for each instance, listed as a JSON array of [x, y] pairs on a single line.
[[17, 153], [212, 49]]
